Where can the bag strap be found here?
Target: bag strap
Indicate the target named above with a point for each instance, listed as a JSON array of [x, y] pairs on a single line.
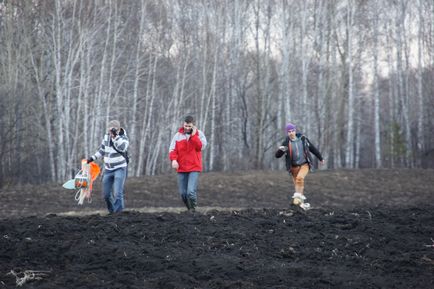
[[124, 154]]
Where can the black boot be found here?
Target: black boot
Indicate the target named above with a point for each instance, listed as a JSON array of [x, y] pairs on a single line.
[[192, 204], [186, 202]]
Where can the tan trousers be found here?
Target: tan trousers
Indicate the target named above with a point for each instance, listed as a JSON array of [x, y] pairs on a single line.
[[298, 174]]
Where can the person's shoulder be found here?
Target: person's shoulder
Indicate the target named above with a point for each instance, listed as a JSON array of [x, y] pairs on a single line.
[[122, 131], [178, 135]]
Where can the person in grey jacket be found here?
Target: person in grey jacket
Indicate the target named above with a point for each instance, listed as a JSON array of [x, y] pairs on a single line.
[[297, 150], [114, 150]]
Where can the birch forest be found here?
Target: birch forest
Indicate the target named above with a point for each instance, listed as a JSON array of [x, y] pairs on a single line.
[[355, 76]]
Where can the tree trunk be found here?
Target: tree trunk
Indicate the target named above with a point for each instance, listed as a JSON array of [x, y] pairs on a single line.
[[349, 149], [421, 112], [377, 128]]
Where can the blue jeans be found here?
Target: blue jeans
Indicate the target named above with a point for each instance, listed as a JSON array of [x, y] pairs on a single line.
[[187, 184], [113, 189]]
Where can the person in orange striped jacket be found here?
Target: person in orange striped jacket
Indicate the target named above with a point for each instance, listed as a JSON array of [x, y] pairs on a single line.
[[185, 153], [297, 149]]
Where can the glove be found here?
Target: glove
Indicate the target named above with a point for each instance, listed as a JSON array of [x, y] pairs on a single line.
[[89, 160], [121, 131], [114, 131]]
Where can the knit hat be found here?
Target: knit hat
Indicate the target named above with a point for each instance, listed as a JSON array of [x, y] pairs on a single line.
[[114, 123], [290, 126]]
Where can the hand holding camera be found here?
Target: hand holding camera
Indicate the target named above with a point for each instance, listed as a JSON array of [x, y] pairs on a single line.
[[113, 132]]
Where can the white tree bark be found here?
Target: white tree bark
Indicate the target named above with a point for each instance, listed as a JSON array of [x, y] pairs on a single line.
[[421, 112], [60, 102], [376, 92], [349, 148], [137, 75]]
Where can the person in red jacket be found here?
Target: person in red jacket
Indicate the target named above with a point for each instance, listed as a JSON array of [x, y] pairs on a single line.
[[186, 155]]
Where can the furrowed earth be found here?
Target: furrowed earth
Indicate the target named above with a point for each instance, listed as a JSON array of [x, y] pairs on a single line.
[[366, 229]]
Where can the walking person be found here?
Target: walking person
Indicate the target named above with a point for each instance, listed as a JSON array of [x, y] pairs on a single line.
[[185, 153], [297, 150], [114, 150]]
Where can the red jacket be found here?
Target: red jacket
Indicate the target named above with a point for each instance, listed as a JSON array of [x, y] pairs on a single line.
[[187, 151]]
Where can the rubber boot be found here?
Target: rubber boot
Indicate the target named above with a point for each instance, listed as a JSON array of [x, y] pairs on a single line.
[[186, 202], [191, 204]]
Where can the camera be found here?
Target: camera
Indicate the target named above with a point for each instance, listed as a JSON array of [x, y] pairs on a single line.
[[114, 131]]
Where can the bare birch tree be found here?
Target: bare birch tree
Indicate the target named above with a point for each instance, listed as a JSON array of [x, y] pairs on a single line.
[[349, 146], [420, 138], [339, 69], [376, 89]]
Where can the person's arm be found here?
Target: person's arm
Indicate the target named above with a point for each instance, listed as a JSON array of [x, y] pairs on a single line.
[[100, 152], [314, 150], [173, 153], [198, 139], [121, 143]]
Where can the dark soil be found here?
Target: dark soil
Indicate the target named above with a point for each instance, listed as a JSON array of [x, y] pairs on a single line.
[[367, 229]]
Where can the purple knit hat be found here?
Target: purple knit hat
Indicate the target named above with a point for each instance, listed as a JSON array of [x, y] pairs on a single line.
[[290, 126]]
